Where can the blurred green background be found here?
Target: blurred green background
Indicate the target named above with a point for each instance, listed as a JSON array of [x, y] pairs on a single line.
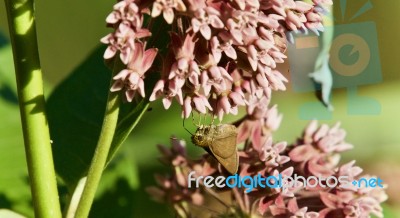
[[69, 30]]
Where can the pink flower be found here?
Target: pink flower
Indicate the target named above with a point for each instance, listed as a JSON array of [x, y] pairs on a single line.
[[228, 103], [127, 21], [330, 140], [199, 103], [125, 10], [215, 77], [345, 204], [261, 121], [205, 17], [300, 212], [217, 48], [160, 89], [131, 79], [271, 160], [180, 69], [231, 32], [271, 153], [124, 45], [287, 190], [167, 7]]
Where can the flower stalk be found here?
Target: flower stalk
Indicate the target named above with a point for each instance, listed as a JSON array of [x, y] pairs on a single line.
[[101, 153], [21, 21]]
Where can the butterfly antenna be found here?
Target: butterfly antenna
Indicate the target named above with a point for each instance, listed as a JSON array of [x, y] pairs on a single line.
[[193, 119], [212, 119], [199, 120], [183, 122]]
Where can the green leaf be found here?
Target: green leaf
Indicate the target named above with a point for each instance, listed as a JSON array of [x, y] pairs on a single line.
[[14, 186], [7, 77], [127, 121], [76, 110]]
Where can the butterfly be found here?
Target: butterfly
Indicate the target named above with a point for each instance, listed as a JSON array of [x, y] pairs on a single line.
[[220, 142]]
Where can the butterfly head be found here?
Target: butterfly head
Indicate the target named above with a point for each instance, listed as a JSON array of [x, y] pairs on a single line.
[[202, 136]]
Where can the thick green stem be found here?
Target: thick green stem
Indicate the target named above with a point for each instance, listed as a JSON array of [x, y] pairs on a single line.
[[21, 20], [100, 156]]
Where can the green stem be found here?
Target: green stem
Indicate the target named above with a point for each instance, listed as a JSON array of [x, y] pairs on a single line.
[[21, 21], [101, 153]]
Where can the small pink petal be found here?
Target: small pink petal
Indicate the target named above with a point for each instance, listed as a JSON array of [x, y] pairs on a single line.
[[179, 97], [167, 102], [106, 39], [122, 74], [168, 15], [230, 52], [137, 57], [294, 19], [187, 107], [264, 205], [312, 214], [206, 103], [112, 18], [124, 55], [292, 205], [237, 36], [196, 25], [243, 131], [180, 5], [287, 172], [117, 85], [330, 200], [157, 8], [311, 128], [199, 105], [141, 87], [159, 87], [215, 72], [237, 98], [253, 63], [280, 146], [148, 59], [302, 6], [133, 78], [110, 52], [283, 159], [224, 103], [256, 136], [217, 23], [262, 80], [183, 64], [225, 74], [321, 132], [301, 153], [129, 94], [141, 33], [205, 31]]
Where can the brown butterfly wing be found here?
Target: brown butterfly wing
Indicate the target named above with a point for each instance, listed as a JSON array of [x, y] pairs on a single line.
[[224, 145], [231, 163], [224, 150]]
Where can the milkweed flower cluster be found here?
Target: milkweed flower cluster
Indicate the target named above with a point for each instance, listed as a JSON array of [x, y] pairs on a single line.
[[220, 55], [316, 153]]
